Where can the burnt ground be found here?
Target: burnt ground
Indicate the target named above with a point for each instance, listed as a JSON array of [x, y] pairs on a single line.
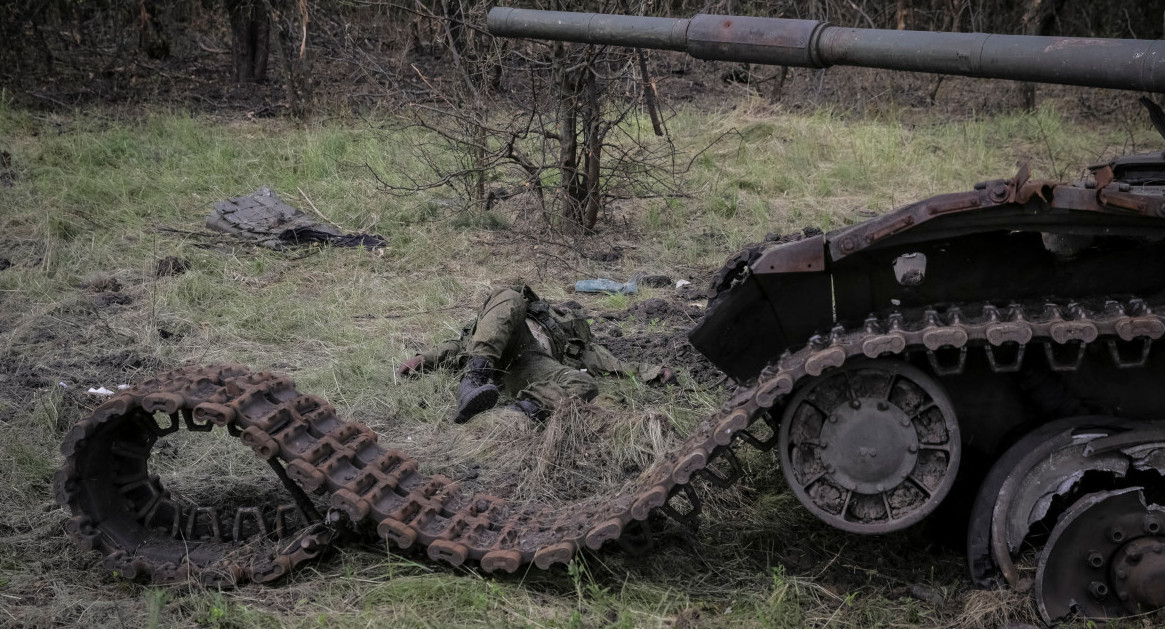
[[71, 350], [655, 330]]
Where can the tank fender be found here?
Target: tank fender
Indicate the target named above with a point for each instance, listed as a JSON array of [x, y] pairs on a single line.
[[801, 256], [784, 299]]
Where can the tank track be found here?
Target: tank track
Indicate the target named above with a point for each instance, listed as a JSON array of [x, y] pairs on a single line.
[[145, 533], [382, 487]]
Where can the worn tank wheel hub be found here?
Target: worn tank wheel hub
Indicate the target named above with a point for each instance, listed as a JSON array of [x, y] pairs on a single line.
[[1138, 574], [871, 447], [1101, 560]]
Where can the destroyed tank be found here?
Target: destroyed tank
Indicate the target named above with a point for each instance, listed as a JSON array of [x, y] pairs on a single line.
[[1013, 328], [997, 348]]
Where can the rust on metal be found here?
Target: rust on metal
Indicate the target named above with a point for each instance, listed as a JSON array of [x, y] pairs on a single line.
[[801, 256], [1112, 63]]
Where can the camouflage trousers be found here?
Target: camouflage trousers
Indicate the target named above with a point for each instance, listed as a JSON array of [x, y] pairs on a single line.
[[505, 332]]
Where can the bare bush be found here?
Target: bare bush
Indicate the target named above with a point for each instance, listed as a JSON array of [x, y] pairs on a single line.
[[586, 127]]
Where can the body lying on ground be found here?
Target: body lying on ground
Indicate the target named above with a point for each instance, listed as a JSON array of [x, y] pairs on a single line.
[[541, 353]]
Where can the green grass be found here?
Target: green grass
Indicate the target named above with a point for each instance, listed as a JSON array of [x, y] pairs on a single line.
[[780, 173], [102, 198]]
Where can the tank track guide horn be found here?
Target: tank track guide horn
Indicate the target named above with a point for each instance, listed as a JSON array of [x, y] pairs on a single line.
[[1016, 326]]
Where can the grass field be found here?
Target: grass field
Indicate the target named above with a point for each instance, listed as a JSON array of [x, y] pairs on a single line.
[[98, 198]]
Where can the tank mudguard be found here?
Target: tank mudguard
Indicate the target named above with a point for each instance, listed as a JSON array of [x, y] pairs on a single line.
[[784, 297]]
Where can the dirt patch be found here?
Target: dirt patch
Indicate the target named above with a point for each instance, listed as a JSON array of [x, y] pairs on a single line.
[[172, 265], [656, 331], [105, 300], [24, 382], [19, 384], [104, 285], [671, 349]]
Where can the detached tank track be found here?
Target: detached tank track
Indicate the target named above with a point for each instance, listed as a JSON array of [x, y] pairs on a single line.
[[383, 487], [124, 512]]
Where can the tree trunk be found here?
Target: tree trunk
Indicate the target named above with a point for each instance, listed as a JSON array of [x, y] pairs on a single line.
[[250, 40], [290, 18], [480, 156], [567, 137], [455, 25], [951, 15], [150, 37], [12, 27], [779, 83], [649, 93], [592, 153], [902, 12], [1037, 19]]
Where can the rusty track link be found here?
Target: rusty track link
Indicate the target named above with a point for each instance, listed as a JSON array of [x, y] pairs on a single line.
[[382, 487], [124, 512]]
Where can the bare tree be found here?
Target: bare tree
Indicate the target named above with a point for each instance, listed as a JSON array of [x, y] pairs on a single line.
[[250, 39], [151, 38], [291, 19], [580, 136], [1038, 17]]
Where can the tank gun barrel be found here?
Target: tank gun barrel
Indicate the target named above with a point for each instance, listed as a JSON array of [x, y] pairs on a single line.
[[1130, 64]]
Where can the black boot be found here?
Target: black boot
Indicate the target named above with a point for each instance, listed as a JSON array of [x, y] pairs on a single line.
[[476, 393], [529, 408]]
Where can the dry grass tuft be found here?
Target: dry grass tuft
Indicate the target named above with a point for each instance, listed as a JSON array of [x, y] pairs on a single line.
[[996, 608], [580, 451]]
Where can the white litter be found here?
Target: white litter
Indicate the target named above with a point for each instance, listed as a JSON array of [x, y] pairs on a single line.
[[682, 283], [100, 391], [63, 385], [122, 387]]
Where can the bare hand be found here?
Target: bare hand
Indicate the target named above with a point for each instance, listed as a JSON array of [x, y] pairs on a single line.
[[410, 367], [666, 376]]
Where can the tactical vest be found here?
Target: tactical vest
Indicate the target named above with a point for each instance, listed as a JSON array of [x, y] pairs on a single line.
[[569, 335]]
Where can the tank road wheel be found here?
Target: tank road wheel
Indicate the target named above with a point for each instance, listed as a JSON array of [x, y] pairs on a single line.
[[871, 447], [1091, 491], [1105, 558]]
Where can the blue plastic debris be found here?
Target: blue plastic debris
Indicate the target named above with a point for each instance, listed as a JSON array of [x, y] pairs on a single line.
[[603, 285]]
